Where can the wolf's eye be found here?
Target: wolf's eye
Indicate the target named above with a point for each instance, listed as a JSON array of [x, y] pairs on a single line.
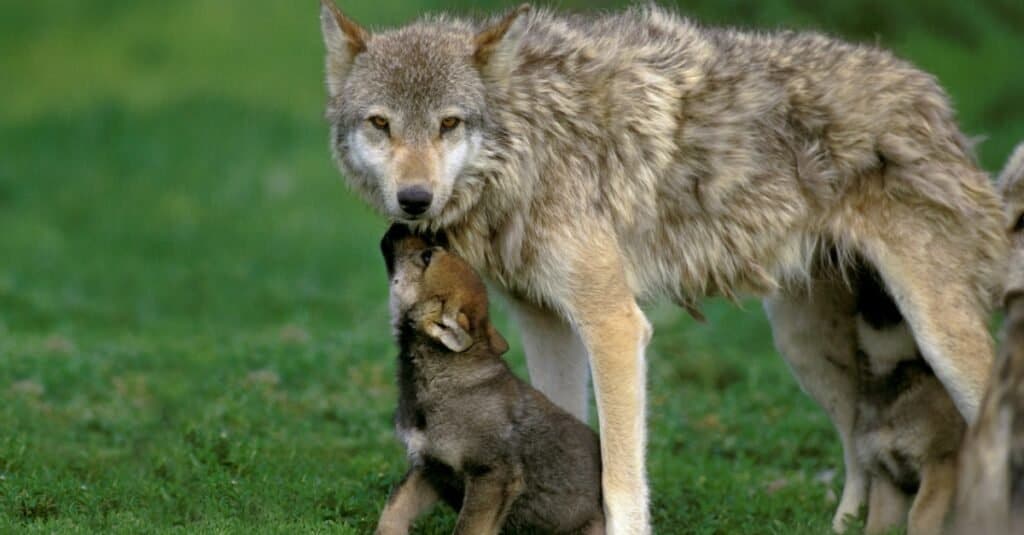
[[1019, 224], [450, 123], [379, 122], [425, 256]]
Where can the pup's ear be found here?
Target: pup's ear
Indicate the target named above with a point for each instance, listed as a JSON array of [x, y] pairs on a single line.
[[439, 238], [344, 40], [496, 340], [496, 45], [452, 331]]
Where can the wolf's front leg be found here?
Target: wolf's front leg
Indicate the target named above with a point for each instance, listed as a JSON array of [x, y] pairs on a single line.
[[815, 330], [555, 357], [615, 334]]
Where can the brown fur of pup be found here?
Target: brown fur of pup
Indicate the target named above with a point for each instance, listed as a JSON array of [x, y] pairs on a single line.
[[477, 436], [907, 431]]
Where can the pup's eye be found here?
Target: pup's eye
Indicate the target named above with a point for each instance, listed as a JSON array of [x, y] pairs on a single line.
[[425, 256], [1019, 224], [379, 122], [450, 123]]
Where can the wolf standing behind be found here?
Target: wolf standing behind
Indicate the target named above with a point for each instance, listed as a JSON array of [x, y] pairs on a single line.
[[991, 497], [583, 163]]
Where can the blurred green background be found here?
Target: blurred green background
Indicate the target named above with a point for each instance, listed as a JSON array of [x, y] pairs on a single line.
[[193, 329]]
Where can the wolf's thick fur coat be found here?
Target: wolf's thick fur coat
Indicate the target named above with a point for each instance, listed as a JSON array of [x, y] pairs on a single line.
[[602, 160], [991, 480]]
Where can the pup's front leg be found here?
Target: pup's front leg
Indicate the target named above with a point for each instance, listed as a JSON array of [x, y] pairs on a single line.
[[887, 506], [931, 505], [555, 357], [412, 497], [490, 493], [615, 334]]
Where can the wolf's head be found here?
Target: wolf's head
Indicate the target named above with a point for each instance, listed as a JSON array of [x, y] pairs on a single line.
[[407, 108], [1011, 185], [436, 293]]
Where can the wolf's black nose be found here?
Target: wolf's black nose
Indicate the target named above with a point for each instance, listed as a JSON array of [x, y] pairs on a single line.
[[415, 200]]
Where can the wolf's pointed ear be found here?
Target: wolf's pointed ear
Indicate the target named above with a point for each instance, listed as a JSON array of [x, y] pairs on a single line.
[[452, 331], [496, 340], [344, 40], [496, 45]]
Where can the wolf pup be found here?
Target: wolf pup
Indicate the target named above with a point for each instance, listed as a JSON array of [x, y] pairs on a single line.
[[907, 431], [991, 497], [584, 163], [477, 436]]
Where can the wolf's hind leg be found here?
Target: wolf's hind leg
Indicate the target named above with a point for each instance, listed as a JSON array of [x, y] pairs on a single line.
[[934, 229], [815, 331], [941, 302]]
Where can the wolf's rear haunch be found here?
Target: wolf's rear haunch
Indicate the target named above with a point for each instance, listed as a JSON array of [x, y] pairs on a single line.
[[583, 163]]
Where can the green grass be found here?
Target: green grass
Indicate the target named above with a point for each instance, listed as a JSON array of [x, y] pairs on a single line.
[[193, 329]]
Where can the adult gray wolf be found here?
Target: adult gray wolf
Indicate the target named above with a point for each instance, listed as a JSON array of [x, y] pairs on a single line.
[[477, 436], [991, 480], [585, 163]]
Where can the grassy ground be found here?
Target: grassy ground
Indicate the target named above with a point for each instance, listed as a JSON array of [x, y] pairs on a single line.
[[193, 336]]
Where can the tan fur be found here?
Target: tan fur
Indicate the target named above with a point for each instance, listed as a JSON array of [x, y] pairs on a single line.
[[815, 329], [907, 433], [638, 155], [1011, 185], [889, 409], [887, 507], [411, 499], [563, 375], [991, 478], [931, 506]]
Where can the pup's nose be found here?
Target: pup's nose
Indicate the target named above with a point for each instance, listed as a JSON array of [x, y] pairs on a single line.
[[415, 200]]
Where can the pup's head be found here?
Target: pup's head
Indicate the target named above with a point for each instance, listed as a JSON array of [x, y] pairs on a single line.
[[408, 111], [437, 293]]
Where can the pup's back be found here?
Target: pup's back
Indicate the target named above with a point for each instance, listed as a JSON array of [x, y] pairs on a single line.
[[467, 421], [991, 498]]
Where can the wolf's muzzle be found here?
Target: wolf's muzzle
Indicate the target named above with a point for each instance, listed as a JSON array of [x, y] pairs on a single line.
[[415, 200]]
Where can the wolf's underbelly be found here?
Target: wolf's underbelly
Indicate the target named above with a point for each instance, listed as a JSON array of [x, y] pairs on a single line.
[[697, 262]]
